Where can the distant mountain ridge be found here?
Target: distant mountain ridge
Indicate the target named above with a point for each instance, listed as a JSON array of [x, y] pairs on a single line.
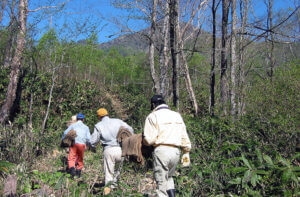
[[135, 42]]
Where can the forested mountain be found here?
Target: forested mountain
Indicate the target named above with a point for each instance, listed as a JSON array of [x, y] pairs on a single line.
[[139, 41], [230, 68], [128, 42]]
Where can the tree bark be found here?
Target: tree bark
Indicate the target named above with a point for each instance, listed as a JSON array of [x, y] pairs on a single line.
[[163, 56], [151, 49], [233, 59], [16, 62], [223, 77], [188, 80], [174, 22], [242, 77], [213, 61], [49, 101], [270, 36], [181, 34]]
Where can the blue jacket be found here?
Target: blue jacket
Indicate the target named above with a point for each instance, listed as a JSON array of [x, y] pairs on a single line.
[[82, 131]]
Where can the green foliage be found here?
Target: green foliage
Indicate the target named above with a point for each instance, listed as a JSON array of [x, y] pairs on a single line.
[[137, 105], [5, 166], [4, 74], [227, 160], [55, 180], [48, 41]]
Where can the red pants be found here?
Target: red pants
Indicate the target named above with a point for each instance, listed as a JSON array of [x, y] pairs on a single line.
[[76, 155]]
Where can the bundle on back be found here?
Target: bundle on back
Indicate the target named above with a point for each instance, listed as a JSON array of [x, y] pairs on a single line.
[[131, 145], [123, 134], [69, 139]]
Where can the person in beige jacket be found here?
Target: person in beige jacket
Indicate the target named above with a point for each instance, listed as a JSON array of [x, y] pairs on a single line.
[[165, 130]]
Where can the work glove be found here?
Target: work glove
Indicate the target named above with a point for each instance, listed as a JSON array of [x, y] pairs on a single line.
[[185, 159]]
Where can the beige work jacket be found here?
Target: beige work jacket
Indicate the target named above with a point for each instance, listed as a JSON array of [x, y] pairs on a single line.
[[166, 127]]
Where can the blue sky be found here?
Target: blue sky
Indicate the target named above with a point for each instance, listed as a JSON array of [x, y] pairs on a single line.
[[100, 14], [96, 13]]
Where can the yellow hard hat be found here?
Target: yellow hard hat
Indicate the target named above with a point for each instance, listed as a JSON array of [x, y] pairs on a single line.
[[102, 112]]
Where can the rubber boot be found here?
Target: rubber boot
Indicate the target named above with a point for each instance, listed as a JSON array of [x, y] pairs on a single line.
[[171, 192], [78, 173], [72, 172]]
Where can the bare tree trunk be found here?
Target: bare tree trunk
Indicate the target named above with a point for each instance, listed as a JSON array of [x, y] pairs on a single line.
[[49, 101], [242, 79], [213, 61], [163, 56], [16, 62], [271, 39], [174, 20], [33, 78], [151, 49], [233, 59], [223, 79], [181, 33], [51, 90], [188, 80]]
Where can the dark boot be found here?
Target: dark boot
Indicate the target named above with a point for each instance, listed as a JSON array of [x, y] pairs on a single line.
[[78, 173], [171, 192], [72, 172]]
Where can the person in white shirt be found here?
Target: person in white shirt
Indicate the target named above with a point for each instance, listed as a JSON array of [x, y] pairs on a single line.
[[106, 131], [165, 130]]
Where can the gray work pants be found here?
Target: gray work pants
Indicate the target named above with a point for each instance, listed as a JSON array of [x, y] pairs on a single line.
[[165, 160]]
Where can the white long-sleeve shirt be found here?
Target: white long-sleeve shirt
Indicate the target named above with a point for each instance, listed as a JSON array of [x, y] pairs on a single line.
[[107, 130], [166, 127]]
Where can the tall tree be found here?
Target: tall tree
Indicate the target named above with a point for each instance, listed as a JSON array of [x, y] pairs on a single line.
[[164, 51], [233, 59], [174, 27], [242, 78], [196, 6], [151, 48], [223, 77], [213, 59], [270, 40], [16, 61]]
